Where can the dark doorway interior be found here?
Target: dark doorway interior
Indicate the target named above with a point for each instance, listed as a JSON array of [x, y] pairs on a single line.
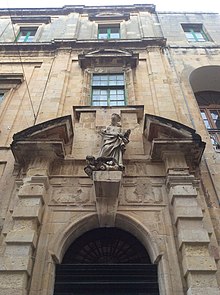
[[106, 261]]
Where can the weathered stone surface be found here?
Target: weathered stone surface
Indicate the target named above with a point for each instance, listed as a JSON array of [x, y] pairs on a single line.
[[187, 212], [13, 280], [107, 185], [158, 82], [16, 263], [203, 291], [26, 236], [29, 212], [31, 190], [199, 264]]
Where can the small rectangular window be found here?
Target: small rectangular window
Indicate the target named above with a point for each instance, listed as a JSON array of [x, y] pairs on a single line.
[[26, 34], [108, 31], [1, 96], [195, 32], [108, 90]]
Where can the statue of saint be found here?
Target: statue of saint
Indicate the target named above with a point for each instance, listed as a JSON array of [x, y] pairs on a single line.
[[114, 141]]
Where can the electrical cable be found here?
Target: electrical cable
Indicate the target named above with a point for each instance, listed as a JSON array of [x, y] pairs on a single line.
[[22, 66]]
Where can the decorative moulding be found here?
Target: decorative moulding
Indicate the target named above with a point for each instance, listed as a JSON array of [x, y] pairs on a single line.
[[50, 138], [138, 109], [109, 57], [107, 185], [169, 136], [31, 20]]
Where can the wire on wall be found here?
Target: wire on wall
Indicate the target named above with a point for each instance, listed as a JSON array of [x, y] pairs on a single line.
[[22, 66]]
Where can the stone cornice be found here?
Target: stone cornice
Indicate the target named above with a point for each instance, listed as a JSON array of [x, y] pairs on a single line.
[[91, 44], [52, 138], [168, 136], [67, 9]]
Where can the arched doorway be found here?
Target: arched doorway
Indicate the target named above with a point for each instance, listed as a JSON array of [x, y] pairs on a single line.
[[106, 261]]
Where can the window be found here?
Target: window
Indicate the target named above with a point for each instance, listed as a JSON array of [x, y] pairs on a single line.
[[108, 90], [109, 32], [26, 34], [195, 32], [1, 96], [209, 104]]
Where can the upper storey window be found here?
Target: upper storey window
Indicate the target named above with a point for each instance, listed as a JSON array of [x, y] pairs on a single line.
[[109, 31], [195, 32], [26, 34], [209, 104], [108, 90], [1, 96]]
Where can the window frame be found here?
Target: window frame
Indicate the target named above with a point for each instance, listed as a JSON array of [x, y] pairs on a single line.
[[213, 130], [2, 94], [109, 28], [27, 35], [193, 29], [108, 88]]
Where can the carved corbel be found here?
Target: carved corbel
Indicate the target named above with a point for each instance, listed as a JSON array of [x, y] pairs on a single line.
[[107, 186]]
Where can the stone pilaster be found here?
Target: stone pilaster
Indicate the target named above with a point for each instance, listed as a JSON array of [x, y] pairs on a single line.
[[198, 265], [21, 241]]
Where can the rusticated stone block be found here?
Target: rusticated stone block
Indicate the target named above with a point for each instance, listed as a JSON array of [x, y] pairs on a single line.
[[12, 280], [195, 250], [201, 279], [193, 236], [185, 201], [21, 237], [187, 212], [32, 212], [15, 250], [199, 263], [179, 191], [203, 291], [31, 190], [16, 263]]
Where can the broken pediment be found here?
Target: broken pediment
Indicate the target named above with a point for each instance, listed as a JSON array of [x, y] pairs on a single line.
[[40, 140], [170, 136], [108, 57]]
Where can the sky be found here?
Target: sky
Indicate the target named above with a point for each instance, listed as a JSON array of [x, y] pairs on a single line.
[[161, 5]]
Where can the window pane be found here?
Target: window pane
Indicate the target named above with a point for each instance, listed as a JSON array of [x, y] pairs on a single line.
[[103, 30], [115, 30], [117, 103], [215, 138], [104, 92], [103, 36], [1, 96], [120, 77], [207, 124], [199, 36], [112, 77], [189, 36], [104, 77], [26, 34], [215, 117], [113, 91], [120, 91], [96, 91], [114, 36]]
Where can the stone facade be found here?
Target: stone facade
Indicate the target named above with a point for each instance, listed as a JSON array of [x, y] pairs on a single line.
[[167, 196]]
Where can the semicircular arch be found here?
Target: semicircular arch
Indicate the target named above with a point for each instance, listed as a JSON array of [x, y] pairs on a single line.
[[68, 234]]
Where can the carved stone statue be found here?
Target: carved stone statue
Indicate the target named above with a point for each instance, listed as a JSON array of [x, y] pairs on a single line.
[[114, 141]]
